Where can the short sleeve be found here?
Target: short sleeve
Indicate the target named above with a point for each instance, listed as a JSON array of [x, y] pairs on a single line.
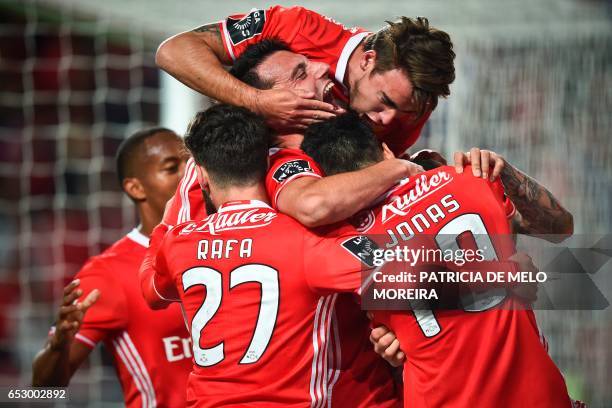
[[334, 262], [162, 282], [241, 30], [287, 165], [110, 312], [508, 205], [188, 201]]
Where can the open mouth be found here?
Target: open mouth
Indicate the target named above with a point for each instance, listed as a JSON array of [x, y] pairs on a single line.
[[327, 93]]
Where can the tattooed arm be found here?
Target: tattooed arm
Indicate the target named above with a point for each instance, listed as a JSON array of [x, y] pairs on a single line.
[[539, 212], [196, 58]]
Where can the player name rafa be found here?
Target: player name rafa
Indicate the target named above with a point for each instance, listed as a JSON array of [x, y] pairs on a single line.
[[253, 218], [422, 188]]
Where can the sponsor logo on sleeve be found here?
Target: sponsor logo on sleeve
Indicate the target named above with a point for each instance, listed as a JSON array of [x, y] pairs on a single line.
[[247, 27], [362, 248], [291, 168]]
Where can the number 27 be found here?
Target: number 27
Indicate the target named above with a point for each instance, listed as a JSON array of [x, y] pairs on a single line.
[[211, 279]]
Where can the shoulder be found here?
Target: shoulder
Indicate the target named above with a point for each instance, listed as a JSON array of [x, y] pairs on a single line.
[[125, 253]]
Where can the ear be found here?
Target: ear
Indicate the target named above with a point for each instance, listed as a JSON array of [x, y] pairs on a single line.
[[134, 188], [368, 60], [387, 153], [202, 177]]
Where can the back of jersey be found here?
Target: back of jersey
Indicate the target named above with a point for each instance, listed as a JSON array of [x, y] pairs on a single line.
[[239, 275], [487, 353]]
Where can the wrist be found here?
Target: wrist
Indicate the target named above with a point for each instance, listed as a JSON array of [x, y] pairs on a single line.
[[253, 99]]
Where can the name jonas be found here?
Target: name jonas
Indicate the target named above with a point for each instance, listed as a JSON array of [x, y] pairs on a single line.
[[224, 248]]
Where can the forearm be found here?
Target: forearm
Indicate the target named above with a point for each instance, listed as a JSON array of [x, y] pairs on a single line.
[[541, 212], [51, 367], [340, 196], [194, 59]]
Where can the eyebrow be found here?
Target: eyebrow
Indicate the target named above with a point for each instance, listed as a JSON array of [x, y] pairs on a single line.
[[389, 102], [299, 67]]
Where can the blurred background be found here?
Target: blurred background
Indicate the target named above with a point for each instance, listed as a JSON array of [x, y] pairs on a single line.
[[534, 83]]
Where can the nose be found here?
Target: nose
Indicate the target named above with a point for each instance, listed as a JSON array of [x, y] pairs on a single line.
[[387, 116], [321, 69]]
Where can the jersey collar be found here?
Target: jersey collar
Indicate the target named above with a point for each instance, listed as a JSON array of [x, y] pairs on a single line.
[[348, 49], [242, 205], [138, 237]]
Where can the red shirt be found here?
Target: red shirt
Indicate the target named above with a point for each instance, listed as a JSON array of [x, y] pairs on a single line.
[[457, 358], [261, 321], [319, 38], [151, 348]]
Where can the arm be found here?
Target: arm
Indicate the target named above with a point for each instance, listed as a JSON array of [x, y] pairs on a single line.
[[55, 364], [538, 211], [196, 59], [321, 201]]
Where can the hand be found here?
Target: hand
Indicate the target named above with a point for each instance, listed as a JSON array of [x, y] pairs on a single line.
[[427, 154], [387, 346], [528, 292], [71, 314], [293, 110], [412, 169], [482, 161]]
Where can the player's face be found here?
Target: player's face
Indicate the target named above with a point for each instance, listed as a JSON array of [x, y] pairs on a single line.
[[288, 70], [162, 169], [383, 97]]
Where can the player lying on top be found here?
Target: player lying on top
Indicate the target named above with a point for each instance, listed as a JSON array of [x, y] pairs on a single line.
[[487, 355], [393, 77], [103, 303], [268, 324]]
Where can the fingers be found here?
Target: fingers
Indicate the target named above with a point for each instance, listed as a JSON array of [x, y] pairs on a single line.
[[70, 287], [312, 104], [378, 332], [460, 160], [317, 115], [500, 163], [384, 342], [475, 161], [92, 298], [485, 158], [72, 296]]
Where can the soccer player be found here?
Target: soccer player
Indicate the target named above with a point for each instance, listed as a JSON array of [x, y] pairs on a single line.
[[393, 77], [488, 354], [103, 304], [259, 290]]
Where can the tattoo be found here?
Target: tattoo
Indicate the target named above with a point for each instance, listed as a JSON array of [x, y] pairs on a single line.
[[211, 29], [541, 212]]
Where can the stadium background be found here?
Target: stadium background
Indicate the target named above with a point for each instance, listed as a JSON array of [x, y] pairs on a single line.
[[534, 83]]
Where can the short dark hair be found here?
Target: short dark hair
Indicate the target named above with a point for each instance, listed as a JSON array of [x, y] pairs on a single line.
[[341, 144], [231, 143], [424, 53], [246, 64], [129, 148]]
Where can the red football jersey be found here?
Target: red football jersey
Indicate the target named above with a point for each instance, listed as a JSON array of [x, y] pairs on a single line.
[[319, 38], [261, 321], [287, 165], [152, 350], [489, 356]]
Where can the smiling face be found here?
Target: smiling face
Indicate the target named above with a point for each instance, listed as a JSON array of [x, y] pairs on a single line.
[[288, 70]]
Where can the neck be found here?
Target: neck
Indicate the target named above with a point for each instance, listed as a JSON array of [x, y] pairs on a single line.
[[220, 196], [289, 141], [148, 219], [352, 66]]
